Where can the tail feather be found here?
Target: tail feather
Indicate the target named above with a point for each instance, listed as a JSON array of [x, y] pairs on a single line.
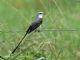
[[19, 43]]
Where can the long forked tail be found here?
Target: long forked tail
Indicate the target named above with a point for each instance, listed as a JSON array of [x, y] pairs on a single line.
[[18, 44]]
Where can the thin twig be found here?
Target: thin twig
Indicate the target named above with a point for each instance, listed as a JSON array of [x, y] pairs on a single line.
[[59, 9], [56, 30]]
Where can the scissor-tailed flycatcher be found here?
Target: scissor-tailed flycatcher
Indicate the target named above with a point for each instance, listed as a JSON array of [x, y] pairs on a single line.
[[32, 27]]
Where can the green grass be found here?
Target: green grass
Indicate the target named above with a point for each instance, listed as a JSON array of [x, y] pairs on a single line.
[[17, 15]]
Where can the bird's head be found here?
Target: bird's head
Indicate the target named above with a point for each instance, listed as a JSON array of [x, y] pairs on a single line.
[[40, 14]]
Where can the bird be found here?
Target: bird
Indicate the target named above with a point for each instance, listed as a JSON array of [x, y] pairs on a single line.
[[35, 24]]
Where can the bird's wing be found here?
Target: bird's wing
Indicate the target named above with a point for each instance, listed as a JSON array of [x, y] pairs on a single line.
[[33, 26]]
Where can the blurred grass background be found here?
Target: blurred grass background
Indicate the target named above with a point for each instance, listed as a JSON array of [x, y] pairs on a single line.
[[17, 15]]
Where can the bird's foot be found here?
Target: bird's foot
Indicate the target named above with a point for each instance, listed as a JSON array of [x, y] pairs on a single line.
[[38, 30]]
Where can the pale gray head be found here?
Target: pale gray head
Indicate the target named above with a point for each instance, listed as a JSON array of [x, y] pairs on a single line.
[[40, 14]]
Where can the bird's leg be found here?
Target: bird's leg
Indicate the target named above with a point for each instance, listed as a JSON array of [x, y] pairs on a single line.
[[38, 30]]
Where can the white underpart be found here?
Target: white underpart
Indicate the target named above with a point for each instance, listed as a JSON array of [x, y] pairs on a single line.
[[40, 16]]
